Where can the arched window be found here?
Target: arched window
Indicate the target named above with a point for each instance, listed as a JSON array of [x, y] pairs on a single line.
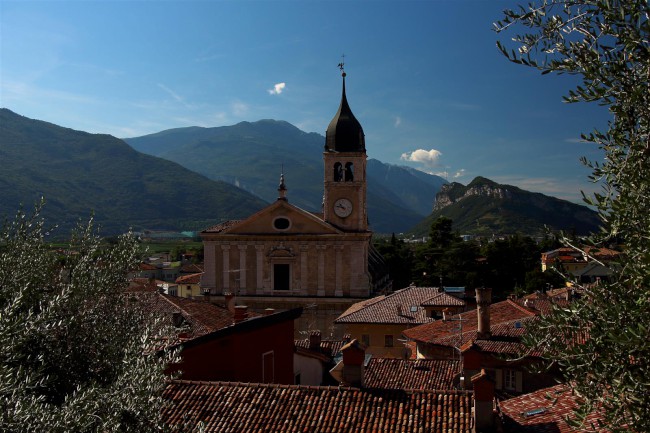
[[349, 172], [338, 172]]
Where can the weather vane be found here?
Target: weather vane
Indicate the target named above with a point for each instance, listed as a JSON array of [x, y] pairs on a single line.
[[342, 64]]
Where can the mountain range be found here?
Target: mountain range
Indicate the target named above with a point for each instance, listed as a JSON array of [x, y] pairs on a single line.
[[80, 174], [251, 155], [192, 178], [484, 207]]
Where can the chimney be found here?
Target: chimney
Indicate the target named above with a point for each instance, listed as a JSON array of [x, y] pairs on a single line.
[[230, 301], [399, 310], [354, 356], [241, 313], [483, 300], [269, 311], [177, 319], [314, 340], [483, 402]]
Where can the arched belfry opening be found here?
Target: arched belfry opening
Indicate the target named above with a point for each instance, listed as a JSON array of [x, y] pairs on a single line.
[[338, 172], [349, 171]]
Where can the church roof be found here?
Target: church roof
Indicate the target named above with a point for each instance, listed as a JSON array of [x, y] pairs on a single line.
[[344, 133]]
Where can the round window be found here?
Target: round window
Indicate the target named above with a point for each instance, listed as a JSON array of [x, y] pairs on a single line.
[[281, 223]]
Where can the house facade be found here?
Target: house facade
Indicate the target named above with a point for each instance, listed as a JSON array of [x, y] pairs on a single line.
[[378, 323]]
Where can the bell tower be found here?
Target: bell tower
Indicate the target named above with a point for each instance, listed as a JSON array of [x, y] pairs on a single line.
[[344, 201]]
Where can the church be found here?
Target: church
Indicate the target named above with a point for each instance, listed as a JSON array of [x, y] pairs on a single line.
[[283, 256]]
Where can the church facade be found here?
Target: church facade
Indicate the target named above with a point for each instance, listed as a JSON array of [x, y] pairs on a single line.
[[283, 253]]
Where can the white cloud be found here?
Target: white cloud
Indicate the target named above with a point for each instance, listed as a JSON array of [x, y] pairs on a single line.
[[465, 107], [277, 89], [459, 173], [239, 108], [171, 93], [398, 121], [428, 158]]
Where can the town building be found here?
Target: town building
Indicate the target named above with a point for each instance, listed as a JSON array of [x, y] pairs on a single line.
[[283, 256], [226, 343], [489, 339], [379, 322], [189, 286], [314, 357]]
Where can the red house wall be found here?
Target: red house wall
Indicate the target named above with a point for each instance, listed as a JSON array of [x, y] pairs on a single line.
[[238, 357]]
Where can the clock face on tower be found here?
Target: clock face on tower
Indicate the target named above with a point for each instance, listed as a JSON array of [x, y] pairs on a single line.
[[343, 207]]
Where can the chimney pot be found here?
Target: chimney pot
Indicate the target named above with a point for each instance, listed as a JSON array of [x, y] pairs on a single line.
[[483, 300], [483, 401], [241, 313], [353, 363], [314, 340], [230, 301]]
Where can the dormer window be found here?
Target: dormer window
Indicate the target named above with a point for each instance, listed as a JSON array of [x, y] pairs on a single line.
[[281, 223]]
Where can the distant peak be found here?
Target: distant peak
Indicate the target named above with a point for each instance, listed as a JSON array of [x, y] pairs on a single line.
[[480, 180]]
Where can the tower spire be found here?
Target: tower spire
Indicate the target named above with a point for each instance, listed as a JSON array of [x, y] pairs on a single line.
[[344, 133]]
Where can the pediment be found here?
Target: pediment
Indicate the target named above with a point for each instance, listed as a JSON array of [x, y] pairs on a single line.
[[282, 218]]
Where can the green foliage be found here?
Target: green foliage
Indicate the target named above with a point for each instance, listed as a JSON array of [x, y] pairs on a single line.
[[607, 44], [399, 257], [509, 262], [76, 353], [446, 259], [505, 265]]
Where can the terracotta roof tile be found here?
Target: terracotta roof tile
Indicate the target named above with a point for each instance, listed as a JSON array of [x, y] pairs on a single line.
[[327, 347], [191, 268], [200, 317], [504, 311], [221, 226], [443, 300], [405, 306], [238, 407], [544, 411], [189, 279], [410, 374]]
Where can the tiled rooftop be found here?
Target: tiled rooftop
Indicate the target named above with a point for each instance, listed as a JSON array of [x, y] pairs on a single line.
[[500, 312], [410, 374], [147, 267], [405, 306], [505, 339], [221, 226], [544, 411], [189, 279], [200, 317], [143, 285], [238, 407], [327, 347], [192, 268]]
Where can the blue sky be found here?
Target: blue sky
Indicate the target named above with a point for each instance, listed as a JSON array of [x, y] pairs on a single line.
[[424, 79]]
